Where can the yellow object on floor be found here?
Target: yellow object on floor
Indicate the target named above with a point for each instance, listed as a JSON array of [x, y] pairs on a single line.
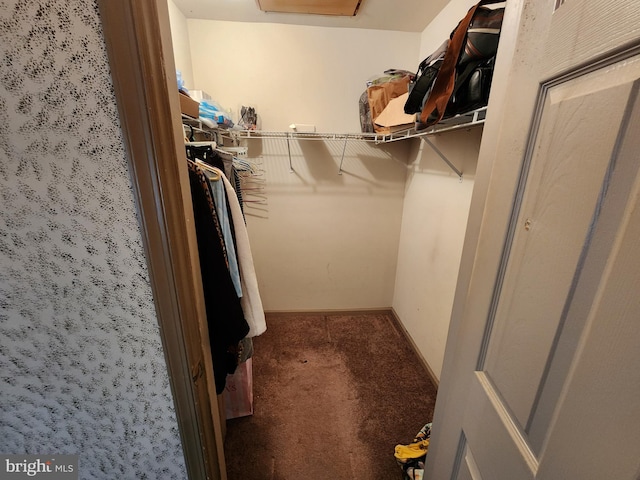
[[413, 450]]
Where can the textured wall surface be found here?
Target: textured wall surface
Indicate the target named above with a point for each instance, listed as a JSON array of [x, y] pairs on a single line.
[[81, 362]]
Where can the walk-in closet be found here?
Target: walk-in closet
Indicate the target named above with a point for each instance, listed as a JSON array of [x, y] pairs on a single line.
[[514, 241], [356, 239]]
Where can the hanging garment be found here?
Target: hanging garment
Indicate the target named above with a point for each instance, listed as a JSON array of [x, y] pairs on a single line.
[[220, 202], [238, 188], [205, 153], [250, 301], [201, 152], [225, 319], [227, 162]]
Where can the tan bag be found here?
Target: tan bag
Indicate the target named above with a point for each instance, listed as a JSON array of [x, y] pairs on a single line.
[[380, 95]]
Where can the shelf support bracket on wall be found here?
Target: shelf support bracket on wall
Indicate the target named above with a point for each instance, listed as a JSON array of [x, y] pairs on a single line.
[[289, 151], [344, 148], [443, 157]]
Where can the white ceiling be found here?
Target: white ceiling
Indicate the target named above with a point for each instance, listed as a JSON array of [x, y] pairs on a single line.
[[401, 15]]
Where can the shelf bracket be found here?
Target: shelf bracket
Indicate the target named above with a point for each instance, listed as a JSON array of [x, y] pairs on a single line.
[[344, 148], [289, 151], [443, 157]]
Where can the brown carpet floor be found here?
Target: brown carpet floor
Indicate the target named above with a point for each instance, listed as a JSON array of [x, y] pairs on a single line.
[[333, 395]]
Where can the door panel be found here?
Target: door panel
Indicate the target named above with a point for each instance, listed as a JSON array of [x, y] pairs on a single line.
[[564, 183], [468, 469], [594, 433], [606, 226], [568, 179], [499, 446], [541, 377]]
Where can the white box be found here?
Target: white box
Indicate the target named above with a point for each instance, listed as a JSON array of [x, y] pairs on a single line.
[[199, 95]]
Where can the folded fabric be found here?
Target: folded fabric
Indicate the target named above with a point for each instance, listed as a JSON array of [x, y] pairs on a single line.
[[411, 451]]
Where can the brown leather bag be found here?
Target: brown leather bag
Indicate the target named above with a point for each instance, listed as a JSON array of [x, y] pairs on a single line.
[[436, 104]]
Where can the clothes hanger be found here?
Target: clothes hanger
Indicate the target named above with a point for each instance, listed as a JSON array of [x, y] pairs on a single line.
[[215, 173], [189, 137]]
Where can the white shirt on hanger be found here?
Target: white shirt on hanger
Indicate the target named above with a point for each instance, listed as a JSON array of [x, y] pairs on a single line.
[[250, 301]]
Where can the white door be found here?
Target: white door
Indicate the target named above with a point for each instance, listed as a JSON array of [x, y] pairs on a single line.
[[542, 369]]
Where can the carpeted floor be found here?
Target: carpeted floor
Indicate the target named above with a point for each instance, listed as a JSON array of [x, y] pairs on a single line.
[[333, 395]]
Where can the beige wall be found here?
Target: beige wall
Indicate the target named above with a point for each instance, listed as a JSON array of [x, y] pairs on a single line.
[[180, 39], [441, 27], [292, 73], [323, 241], [328, 241], [436, 207]]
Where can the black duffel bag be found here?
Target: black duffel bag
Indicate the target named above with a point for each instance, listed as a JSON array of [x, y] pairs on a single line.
[[420, 87], [471, 90], [469, 59]]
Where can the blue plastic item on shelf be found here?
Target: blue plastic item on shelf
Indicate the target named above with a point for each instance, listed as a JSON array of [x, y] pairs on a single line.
[[211, 110]]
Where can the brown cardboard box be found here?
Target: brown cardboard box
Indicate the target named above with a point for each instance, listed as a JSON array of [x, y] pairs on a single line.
[[188, 106]]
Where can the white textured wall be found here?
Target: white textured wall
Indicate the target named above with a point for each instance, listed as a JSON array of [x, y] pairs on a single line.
[[323, 241], [436, 207], [180, 39], [82, 369]]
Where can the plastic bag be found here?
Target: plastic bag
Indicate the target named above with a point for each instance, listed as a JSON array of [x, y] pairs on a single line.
[[211, 110], [238, 392], [248, 118]]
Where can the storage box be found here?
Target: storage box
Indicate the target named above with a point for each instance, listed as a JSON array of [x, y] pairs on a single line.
[[188, 106], [199, 95]]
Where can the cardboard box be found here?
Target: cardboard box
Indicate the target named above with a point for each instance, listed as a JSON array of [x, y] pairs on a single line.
[[188, 106]]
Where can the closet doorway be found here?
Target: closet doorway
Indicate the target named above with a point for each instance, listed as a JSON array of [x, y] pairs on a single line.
[[141, 67], [137, 36]]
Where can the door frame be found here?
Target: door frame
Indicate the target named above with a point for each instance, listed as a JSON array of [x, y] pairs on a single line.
[[138, 43]]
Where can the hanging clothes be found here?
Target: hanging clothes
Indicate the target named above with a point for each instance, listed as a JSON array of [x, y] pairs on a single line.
[[220, 203], [231, 172], [205, 153], [237, 187], [250, 301], [225, 318], [227, 162]]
